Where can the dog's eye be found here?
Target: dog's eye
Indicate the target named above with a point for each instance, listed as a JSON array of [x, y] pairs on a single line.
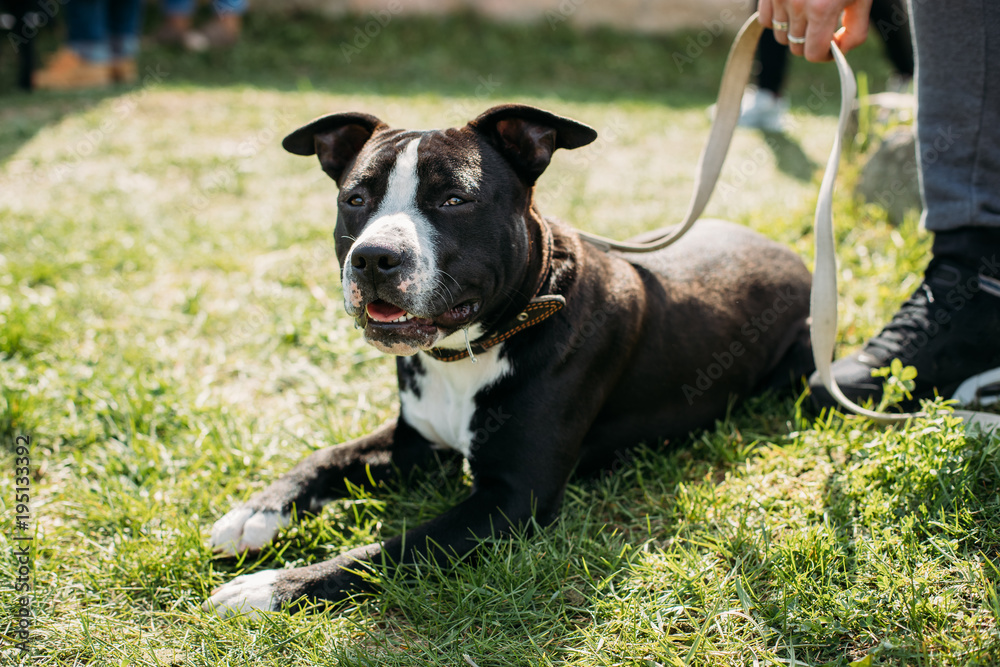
[[356, 200], [453, 201]]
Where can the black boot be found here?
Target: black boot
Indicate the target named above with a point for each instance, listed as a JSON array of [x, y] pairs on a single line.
[[949, 329]]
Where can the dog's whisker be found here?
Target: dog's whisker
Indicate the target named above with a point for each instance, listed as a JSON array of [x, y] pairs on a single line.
[[438, 285], [452, 278]]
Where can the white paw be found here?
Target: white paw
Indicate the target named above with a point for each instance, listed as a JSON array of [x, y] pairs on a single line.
[[244, 529], [247, 594]]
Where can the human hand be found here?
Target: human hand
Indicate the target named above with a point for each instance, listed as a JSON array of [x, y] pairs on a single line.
[[815, 21]]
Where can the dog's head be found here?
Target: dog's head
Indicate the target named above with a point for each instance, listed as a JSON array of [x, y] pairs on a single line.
[[432, 227]]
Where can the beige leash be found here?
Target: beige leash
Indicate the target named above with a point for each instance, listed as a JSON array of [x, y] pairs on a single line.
[[823, 298], [735, 77]]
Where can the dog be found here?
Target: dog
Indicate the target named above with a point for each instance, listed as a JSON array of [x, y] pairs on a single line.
[[529, 351]]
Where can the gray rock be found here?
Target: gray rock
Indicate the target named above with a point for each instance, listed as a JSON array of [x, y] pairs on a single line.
[[889, 177]]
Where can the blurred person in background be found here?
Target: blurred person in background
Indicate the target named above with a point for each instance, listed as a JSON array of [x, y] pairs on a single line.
[[102, 42]]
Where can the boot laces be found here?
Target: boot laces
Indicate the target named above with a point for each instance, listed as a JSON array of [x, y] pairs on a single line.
[[916, 314]]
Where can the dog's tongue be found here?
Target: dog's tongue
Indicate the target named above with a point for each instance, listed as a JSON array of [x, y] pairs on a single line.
[[380, 311]]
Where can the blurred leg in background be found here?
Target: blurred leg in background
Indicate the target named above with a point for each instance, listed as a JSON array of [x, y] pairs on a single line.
[[124, 24], [221, 32], [763, 107], [102, 42], [891, 20]]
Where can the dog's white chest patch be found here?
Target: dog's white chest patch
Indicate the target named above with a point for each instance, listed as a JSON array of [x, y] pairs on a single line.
[[443, 411]]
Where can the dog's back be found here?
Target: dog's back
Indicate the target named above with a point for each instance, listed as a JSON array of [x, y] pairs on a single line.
[[724, 313]]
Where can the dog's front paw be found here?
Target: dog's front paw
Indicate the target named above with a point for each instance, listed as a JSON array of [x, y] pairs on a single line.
[[245, 529], [247, 594]]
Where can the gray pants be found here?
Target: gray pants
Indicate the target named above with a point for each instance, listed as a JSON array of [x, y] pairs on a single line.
[[957, 45]]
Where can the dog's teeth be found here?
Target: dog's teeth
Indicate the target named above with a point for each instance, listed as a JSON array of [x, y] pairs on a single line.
[[403, 318]]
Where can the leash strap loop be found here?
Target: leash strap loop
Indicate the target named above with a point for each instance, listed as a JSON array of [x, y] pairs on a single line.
[[735, 77], [823, 297]]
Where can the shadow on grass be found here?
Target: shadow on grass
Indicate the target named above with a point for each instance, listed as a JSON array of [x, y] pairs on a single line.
[[904, 512], [790, 158], [23, 114]]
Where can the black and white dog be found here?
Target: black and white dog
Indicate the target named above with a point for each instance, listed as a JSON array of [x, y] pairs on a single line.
[[532, 353]]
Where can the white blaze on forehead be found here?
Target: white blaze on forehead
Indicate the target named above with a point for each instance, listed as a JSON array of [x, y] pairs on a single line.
[[398, 223], [401, 192]]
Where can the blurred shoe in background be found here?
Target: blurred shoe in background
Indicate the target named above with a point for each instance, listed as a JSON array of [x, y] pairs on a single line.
[[67, 70], [222, 32], [102, 42], [763, 110]]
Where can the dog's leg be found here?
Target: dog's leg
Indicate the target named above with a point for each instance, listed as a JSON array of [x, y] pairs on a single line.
[[488, 511], [510, 488], [377, 457]]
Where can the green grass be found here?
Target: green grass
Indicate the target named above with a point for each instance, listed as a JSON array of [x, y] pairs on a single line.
[[171, 338]]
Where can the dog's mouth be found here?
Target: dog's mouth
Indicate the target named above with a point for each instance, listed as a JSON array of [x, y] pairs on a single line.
[[394, 330], [384, 312]]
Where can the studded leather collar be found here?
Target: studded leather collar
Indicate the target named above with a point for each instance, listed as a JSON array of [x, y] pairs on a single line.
[[538, 309]]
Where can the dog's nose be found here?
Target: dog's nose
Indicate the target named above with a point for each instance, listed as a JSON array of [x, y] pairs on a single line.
[[382, 259]]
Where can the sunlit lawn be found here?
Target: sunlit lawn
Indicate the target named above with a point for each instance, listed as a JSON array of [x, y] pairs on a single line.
[[171, 339]]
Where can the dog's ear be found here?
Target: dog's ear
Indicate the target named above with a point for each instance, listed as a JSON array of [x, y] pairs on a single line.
[[336, 139], [528, 136]]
